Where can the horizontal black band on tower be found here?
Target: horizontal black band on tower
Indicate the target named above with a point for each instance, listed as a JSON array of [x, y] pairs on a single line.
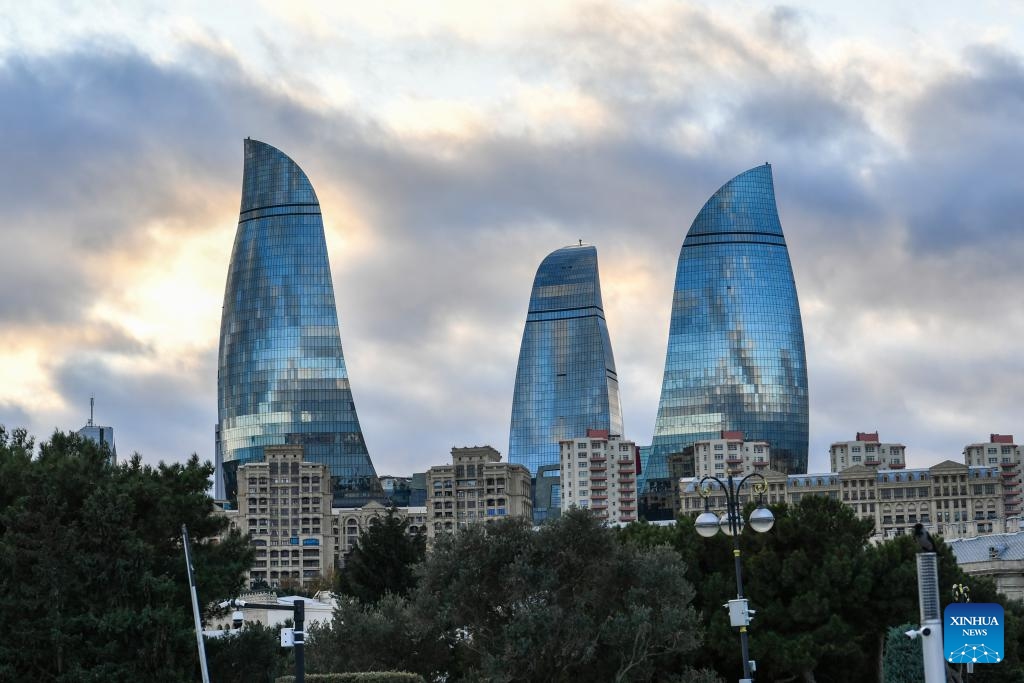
[[600, 316], [712, 244], [562, 310], [277, 206], [735, 232], [275, 215]]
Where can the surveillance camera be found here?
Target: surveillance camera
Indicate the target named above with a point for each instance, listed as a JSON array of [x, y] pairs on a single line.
[[912, 633], [226, 603]]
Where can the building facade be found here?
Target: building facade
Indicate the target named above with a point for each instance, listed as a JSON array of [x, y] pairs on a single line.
[[950, 499], [476, 487], [281, 377], [547, 493], [729, 454], [598, 473], [735, 359], [349, 523], [1002, 452], [867, 450], [565, 380], [284, 507]]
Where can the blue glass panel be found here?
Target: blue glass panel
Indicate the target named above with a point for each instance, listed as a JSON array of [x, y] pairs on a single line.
[[565, 381], [281, 376], [735, 358]]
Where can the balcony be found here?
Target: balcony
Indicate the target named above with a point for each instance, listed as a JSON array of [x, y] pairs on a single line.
[[1005, 465], [734, 460], [598, 458], [598, 477], [873, 462], [1009, 474], [599, 496], [760, 463], [897, 465], [594, 486]]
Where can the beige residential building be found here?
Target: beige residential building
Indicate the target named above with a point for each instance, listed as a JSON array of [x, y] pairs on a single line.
[[1002, 452], [476, 487], [868, 451], [950, 499], [284, 507], [598, 473], [728, 454], [349, 523]]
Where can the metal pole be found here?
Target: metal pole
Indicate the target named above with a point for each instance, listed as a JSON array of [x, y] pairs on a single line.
[[732, 505], [195, 605], [931, 618], [300, 639]]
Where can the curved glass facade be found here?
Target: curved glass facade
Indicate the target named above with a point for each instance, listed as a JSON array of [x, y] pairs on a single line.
[[281, 376], [566, 381], [735, 357]]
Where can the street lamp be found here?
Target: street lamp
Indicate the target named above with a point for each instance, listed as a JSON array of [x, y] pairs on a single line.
[[731, 524]]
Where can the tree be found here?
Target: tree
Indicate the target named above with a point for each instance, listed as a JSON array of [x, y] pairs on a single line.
[[382, 561], [904, 661], [253, 655], [501, 602], [825, 598], [93, 584]]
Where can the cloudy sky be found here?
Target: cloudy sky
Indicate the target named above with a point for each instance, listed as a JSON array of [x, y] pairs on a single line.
[[454, 145]]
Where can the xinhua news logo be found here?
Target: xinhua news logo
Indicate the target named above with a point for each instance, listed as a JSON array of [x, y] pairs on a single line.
[[973, 633]]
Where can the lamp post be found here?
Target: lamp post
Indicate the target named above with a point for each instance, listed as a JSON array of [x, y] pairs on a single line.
[[731, 524]]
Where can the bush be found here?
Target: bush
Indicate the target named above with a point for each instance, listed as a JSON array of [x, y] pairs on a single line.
[[359, 677]]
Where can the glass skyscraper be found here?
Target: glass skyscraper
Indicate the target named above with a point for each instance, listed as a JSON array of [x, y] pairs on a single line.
[[281, 377], [735, 357], [566, 381]]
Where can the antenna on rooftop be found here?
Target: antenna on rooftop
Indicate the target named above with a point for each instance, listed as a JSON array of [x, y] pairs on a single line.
[[92, 405]]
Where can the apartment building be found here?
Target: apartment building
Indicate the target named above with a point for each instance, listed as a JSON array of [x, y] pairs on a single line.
[[950, 499], [476, 487], [284, 507], [869, 451], [1002, 452], [598, 473]]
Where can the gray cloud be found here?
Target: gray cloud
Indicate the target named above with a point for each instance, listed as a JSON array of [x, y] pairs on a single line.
[[883, 241]]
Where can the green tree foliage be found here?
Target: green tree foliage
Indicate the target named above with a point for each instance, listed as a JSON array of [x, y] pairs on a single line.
[[360, 677], [93, 582], [825, 598], [904, 661], [252, 655], [572, 601], [382, 561]]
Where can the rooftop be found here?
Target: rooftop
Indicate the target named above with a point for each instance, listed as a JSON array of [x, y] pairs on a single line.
[[989, 547]]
